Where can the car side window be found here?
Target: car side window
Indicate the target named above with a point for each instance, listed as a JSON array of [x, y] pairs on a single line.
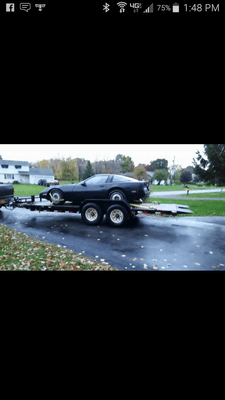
[[120, 178], [97, 180]]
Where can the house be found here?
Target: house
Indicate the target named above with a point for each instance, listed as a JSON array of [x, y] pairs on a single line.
[[20, 171], [150, 175]]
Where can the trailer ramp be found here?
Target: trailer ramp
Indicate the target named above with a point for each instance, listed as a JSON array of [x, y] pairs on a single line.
[[151, 208]]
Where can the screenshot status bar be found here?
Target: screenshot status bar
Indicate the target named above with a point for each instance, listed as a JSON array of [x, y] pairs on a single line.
[[109, 7], [111, 10]]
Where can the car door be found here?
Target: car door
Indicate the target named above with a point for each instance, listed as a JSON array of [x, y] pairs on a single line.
[[95, 187]]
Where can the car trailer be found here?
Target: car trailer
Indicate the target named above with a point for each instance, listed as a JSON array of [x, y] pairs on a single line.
[[93, 210]]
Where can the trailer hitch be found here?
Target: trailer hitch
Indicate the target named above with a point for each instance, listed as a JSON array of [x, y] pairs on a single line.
[[11, 205]]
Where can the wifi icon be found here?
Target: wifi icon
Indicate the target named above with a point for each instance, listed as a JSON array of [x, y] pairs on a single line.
[[121, 4]]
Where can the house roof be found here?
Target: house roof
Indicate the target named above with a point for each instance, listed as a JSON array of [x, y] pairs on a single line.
[[150, 174], [10, 162], [38, 171], [41, 171]]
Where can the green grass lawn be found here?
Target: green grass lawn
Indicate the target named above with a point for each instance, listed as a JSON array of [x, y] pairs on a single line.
[[167, 188], [200, 208], [27, 190], [217, 195]]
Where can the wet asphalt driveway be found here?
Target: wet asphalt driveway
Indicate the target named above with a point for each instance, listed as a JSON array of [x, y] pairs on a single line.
[[147, 243]]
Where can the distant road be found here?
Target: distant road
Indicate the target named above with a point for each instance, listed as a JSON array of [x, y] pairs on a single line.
[[177, 192]]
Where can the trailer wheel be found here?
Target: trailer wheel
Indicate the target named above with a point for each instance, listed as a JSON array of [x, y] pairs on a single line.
[[92, 214], [117, 215]]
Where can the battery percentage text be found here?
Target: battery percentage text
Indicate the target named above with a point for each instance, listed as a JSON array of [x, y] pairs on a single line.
[[163, 7]]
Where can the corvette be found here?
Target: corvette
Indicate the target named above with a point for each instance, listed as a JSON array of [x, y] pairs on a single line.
[[100, 186]]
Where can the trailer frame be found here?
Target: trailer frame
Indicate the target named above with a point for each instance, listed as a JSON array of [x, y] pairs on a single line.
[[93, 210]]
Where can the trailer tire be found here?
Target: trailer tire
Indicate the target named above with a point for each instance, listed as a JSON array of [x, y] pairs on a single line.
[[92, 214], [117, 215]]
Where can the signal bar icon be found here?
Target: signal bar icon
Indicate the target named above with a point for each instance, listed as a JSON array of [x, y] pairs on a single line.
[[150, 9]]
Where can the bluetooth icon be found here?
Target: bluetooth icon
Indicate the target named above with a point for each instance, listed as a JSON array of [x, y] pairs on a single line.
[[106, 7]]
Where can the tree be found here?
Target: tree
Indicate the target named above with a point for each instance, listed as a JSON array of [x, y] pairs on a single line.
[[149, 168], [88, 171], [106, 167], [185, 176], [69, 169], [126, 163], [160, 163], [212, 168], [0, 157], [140, 173], [43, 164], [161, 174], [81, 163], [55, 165]]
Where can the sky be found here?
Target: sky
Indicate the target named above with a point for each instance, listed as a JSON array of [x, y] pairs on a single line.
[[140, 153]]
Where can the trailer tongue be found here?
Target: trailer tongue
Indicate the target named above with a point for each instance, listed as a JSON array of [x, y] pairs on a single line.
[[92, 211]]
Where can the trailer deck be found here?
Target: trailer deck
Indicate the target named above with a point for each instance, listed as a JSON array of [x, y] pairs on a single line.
[[151, 208]]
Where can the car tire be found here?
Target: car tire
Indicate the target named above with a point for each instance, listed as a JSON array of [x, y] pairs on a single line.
[[117, 215], [117, 195], [92, 214], [57, 197]]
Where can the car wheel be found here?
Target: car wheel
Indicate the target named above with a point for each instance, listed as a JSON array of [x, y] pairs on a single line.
[[57, 197], [117, 215], [92, 214], [117, 195]]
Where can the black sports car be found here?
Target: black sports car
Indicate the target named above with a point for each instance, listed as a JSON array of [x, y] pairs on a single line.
[[103, 186]]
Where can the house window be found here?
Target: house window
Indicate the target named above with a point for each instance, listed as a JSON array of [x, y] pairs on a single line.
[[9, 176], [18, 166], [4, 166]]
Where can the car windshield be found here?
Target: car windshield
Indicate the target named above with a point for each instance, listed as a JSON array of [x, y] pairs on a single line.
[[120, 178]]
